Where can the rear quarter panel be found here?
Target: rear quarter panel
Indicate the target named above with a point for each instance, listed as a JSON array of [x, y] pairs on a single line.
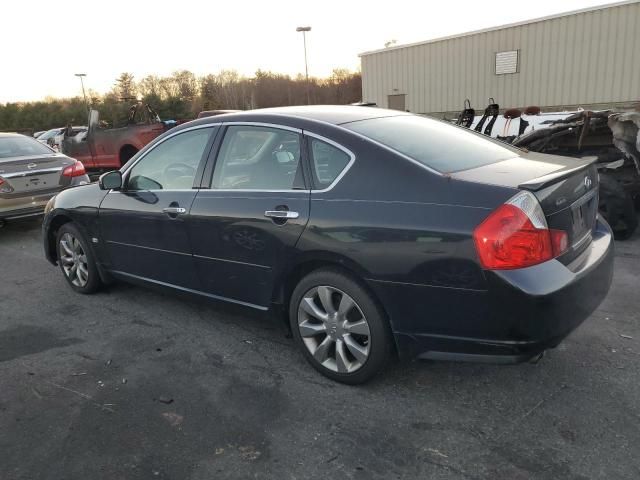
[[401, 227]]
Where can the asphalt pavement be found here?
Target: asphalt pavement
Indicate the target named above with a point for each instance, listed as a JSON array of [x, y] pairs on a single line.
[[134, 383]]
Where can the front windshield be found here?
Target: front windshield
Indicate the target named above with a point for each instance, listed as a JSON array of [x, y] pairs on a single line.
[[49, 134]]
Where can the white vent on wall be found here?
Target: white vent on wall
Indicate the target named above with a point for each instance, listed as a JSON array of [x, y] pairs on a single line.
[[507, 62]]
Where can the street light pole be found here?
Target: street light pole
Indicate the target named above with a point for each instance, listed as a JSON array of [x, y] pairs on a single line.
[[81, 76], [304, 31]]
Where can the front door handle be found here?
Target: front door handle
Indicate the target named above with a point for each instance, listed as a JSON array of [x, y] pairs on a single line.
[[282, 214], [174, 210]]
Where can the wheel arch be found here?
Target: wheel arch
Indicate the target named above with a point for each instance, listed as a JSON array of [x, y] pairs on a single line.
[[52, 233], [323, 260]]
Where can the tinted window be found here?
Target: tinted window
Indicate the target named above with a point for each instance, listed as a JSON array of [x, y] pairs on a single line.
[[436, 144], [19, 146], [258, 158], [328, 162], [172, 165]]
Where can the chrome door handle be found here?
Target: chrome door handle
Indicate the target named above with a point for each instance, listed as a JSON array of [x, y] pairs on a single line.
[[284, 214], [174, 210]]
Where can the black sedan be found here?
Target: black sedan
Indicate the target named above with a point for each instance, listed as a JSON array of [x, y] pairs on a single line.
[[379, 232]]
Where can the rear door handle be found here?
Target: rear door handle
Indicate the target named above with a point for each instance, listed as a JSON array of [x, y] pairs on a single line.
[[284, 214], [174, 210]]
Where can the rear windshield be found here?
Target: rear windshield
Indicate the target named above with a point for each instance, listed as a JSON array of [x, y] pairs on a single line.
[[434, 143], [20, 146]]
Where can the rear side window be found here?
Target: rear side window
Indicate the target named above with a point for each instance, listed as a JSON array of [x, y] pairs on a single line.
[[434, 143], [258, 158], [328, 162]]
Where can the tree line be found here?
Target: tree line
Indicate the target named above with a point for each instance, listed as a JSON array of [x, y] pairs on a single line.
[[182, 95]]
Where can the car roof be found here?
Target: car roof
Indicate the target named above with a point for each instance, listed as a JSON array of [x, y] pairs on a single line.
[[333, 114], [10, 134]]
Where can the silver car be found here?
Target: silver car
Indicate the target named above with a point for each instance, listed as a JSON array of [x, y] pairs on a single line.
[[30, 174]]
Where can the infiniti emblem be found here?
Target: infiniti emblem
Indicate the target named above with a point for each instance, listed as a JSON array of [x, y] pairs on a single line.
[[587, 182]]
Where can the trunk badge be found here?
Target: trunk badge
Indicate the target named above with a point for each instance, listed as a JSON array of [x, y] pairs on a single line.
[[31, 166]]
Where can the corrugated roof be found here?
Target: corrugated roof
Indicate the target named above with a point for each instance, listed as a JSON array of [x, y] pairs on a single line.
[[501, 27]]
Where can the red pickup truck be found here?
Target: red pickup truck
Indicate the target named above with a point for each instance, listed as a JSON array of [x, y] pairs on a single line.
[[104, 148]]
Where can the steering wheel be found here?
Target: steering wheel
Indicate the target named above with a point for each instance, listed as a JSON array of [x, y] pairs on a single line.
[[176, 170]]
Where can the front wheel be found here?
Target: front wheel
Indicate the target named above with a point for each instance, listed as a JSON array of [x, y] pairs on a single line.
[[76, 260], [340, 328]]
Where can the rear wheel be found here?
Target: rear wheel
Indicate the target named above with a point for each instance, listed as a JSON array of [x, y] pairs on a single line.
[[76, 260], [339, 327]]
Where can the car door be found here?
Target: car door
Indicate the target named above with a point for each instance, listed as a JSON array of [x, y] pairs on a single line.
[[245, 226], [143, 225]]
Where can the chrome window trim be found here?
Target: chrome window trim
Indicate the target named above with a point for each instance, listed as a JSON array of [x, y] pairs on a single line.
[[393, 150], [254, 190], [153, 147], [344, 171], [248, 190], [382, 145], [263, 124]]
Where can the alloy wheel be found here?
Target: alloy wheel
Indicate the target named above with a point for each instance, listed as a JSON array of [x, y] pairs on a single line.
[[74, 260], [334, 329]]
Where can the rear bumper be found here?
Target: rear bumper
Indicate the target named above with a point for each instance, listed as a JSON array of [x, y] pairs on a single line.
[[520, 314], [28, 206]]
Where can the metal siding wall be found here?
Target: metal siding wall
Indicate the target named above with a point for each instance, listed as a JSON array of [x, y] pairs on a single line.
[[589, 57]]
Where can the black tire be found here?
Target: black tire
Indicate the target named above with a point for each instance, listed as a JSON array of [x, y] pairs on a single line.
[[617, 207], [378, 343], [92, 281]]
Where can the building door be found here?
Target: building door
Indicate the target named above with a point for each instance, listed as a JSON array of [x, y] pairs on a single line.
[[396, 102]]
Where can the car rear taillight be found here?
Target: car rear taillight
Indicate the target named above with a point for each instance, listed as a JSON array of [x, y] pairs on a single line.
[[4, 186], [74, 170], [516, 235]]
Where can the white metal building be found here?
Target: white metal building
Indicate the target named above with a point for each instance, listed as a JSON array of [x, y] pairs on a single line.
[[588, 58]]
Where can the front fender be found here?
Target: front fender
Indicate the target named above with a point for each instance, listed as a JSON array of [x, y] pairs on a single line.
[[79, 205]]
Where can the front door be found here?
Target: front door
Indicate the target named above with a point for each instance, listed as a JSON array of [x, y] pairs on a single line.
[[143, 225], [246, 225]]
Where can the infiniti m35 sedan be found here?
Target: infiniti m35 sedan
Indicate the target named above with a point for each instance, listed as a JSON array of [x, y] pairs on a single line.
[[380, 232]]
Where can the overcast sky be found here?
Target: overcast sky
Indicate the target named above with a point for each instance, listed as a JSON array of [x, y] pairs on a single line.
[[44, 43]]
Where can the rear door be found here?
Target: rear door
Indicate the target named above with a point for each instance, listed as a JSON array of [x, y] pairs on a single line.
[[143, 226], [245, 225]]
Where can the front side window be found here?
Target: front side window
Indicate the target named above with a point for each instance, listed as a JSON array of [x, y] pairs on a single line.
[[328, 162], [172, 165], [258, 158]]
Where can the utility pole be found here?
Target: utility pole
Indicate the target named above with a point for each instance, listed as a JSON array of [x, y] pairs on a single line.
[[81, 76], [304, 31]]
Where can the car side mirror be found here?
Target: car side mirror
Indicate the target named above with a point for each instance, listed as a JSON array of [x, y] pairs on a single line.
[[110, 180]]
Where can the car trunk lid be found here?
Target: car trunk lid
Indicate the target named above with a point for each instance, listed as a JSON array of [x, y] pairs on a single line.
[[26, 175], [567, 189]]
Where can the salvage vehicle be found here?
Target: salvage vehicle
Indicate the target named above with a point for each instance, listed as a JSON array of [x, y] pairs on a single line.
[[30, 174], [612, 139], [55, 136], [365, 225], [105, 148]]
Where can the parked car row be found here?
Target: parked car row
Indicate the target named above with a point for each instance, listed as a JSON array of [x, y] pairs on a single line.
[[376, 231], [54, 137]]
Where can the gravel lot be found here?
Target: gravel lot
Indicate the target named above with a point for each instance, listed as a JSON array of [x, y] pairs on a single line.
[[134, 383]]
